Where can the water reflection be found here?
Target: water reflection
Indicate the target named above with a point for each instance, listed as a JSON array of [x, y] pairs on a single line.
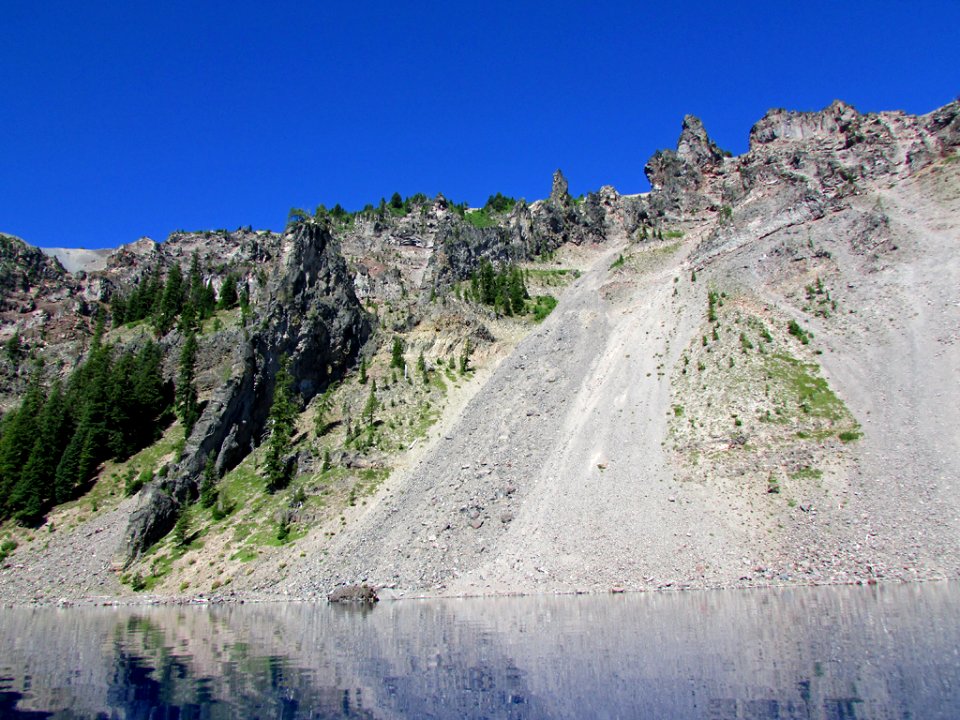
[[830, 653]]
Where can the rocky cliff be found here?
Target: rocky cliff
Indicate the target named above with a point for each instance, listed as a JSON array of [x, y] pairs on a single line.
[[749, 378]]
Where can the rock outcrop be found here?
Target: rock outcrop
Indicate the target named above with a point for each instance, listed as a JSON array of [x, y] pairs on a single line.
[[312, 317]]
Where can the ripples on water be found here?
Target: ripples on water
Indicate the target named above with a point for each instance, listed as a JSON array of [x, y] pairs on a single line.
[[825, 653]]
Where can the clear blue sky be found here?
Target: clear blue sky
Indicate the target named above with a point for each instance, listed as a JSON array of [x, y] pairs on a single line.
[[124, 119]]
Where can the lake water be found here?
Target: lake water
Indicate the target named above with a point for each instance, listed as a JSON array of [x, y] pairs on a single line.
[[825, 653]]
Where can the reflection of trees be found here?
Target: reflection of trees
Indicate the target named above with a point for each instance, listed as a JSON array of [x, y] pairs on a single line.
[[151, 682], [8, 706]]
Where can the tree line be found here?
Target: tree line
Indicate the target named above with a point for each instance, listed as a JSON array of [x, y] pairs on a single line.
[[187, 299], [504, 289], [111, 406]]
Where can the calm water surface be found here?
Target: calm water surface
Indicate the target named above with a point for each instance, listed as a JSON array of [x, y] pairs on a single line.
[[827, 653]]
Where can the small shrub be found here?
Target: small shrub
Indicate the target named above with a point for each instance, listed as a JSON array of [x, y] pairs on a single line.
[[798, 332], [849, 435], [133, 483], [543, 306]]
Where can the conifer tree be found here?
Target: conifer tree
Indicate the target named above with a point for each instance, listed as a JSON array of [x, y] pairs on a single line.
[[283, 414], [186, 398], [35, 490], [171, 301], [323, 402], [372, 405], [228, 293], [396, 354], [208, 486], [422, 368]]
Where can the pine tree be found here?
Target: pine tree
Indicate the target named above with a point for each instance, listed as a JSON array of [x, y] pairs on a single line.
[[171, 301], [422, 368], [181, 530], [363, 371], [208, 486], [186, 398], [283, 414], [372, 405], [516, 290], [19, 430], [34, 494], [323, 402], [228, 293], [396, 354]]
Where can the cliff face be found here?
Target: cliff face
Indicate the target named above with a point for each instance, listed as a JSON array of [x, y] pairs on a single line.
[[311, 316], [749, 383]]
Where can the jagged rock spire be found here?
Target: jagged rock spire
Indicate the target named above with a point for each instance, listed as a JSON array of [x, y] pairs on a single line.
[[695, 145], [561, 189]]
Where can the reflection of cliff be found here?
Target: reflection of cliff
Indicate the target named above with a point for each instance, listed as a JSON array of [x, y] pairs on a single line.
[[801, 653]]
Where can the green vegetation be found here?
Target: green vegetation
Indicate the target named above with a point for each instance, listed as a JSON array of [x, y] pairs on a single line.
[[50, 447], [396, 354], [618, 263], [807, 473], [165, 301], [499, 203], [6, 548], [551, 277], [798, 332], [819, 302], [188, 409], [480, 218], [543, 305], [280, 425], [504, 289]]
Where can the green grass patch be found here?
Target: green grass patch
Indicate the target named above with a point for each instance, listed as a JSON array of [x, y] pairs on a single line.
[[480, 219], [847, 436], [245, 555], [813, 395], [807, 473], [542, 306]]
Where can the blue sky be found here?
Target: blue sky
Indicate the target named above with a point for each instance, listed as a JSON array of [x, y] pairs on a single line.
[[124, 119]]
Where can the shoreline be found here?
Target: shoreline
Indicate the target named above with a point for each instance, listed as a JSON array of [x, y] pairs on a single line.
[[252, 598]]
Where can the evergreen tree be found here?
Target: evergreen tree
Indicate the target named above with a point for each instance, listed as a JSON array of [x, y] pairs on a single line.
[[171, 301], [14, 348], [35, 491], [19, 431], [323, 402], [52, 445], [516, 290], [228, 293], [186, 398], [195, 285], [372, 405], [396, 354], [465, 357], [422, 368], [363, 371], [281, 422], [208, 486], [181, 531]]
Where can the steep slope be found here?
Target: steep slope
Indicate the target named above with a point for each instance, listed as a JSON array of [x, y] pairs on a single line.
[[565, 473], [752, 381]]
